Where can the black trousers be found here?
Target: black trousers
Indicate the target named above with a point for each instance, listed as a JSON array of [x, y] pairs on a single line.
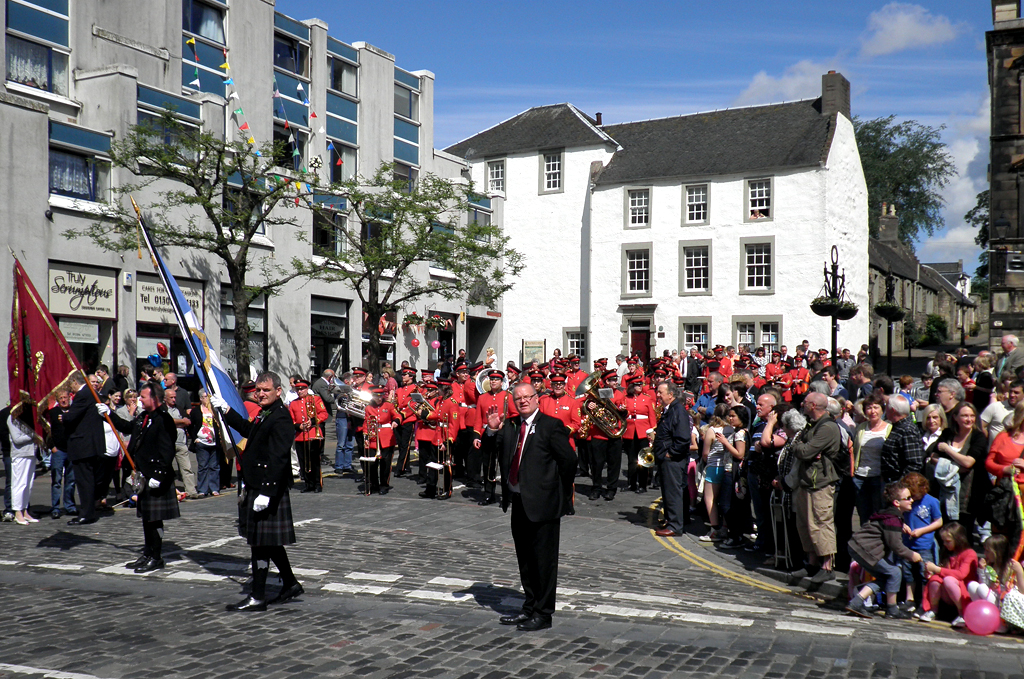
[[106, 467], [444, 486], [583, 456], [404, 447], [384, 467], [261, 558], [636, 476], [85, 482], [845, 503], [153, 533], [489, 460], [463, 445], [309, 453], [428, 453], [675, 504], [537, 553], [605, 453]]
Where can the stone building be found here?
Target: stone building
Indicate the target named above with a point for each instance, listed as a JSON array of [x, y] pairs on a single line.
[[79, 74], [693, 230], [1005, 48]]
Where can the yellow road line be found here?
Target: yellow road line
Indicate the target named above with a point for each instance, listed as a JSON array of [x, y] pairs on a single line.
[[673, 546]]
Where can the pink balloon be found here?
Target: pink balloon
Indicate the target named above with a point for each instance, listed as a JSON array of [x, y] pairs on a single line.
[[415, 342], [982, 617], [435, 344]]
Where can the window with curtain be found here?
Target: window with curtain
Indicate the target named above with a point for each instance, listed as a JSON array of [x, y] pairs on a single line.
[[36, 65], [204, 20], [74, 175]]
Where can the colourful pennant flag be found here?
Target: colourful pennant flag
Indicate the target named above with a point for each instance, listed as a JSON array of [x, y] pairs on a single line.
[[229, 81], [191, 41], [312, 114], [258, 154], [295, 153], [244, 127], [195, 83], [226, 66], [286, 124], [233, 95], [339, 162], [305, 102], [299, 88], [238, 111], [330, 146], [321, 130], [251, 140]]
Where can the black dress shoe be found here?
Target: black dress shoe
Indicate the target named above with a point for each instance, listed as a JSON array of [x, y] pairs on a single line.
[[318, 489], [249, 604], [79, 521], [534, 624], [427, 494], [288, 593], [55, 514], [489, 499], [514, 619], [138, 562], [307, 489], [609, 496], [382, 491], [72, 512], [150, 564], [594, 495]]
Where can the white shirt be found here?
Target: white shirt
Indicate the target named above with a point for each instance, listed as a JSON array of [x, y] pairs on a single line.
[[529, 430]]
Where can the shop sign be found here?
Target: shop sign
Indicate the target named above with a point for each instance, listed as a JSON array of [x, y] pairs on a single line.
[[82, 291], [153, 304], [326, 327], [76, 330]]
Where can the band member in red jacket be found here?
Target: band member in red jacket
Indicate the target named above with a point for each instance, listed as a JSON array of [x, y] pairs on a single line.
[[488, 453], [381, 419], [640, 418], [308, 414]]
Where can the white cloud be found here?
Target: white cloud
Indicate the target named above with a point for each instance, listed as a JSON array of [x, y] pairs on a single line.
[[950, 245], [802, 80], [898, 26]]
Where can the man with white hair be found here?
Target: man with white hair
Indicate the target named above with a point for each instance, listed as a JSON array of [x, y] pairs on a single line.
[[949, 393], [1012, 359], [902, 451]]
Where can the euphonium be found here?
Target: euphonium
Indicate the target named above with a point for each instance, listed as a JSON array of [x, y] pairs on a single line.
[[604, 414], [645, 458]]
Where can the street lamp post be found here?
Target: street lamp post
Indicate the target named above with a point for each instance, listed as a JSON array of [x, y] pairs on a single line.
[[833, 302], [963, 309]]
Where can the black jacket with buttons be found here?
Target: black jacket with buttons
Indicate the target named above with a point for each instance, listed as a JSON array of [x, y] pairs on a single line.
[[266, 461], [152, 445]]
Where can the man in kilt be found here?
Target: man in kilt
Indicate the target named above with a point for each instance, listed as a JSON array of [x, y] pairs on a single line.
[[152, 448], [265, 515]]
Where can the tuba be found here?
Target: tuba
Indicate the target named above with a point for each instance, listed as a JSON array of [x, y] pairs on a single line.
[[604, 415]]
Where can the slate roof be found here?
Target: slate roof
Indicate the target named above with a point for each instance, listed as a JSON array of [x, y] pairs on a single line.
[[928, 273], [733, 141], [541, 127], [886, 258]]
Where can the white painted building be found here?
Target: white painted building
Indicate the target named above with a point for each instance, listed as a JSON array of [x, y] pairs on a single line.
[[704, 229]]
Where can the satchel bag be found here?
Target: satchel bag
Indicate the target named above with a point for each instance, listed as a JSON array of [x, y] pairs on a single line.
[[1012, 608]]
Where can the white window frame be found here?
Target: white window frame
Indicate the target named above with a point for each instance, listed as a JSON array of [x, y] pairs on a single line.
[[687, 324], [759, 202], [638, 207], [574, 341], [684, 287], [746, 333], [552, 171], [496, 176], [759, 323], [340, 224], [627, 249], [745, 265], [687, 219]]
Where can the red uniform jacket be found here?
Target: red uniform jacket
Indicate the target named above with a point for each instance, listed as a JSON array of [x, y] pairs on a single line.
[[448, 421], [566, 408], [387, 419], [426, 429], [301, 410], [619, 401], [402, 401], [640, 416], [487, 400]]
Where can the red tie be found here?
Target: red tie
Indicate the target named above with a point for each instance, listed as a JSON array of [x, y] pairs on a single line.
[[513, 472]]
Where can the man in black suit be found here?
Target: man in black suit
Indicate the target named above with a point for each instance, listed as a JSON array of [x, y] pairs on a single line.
[[537, 470], [672, 452], [86, 446], [265, 514]]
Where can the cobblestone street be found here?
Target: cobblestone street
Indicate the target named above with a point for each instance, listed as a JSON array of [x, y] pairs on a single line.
[[397, 586]]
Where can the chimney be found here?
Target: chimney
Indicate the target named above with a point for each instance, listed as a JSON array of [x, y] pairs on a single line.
[[835, 94], [889, 226], [597, 118], [1005, 10]]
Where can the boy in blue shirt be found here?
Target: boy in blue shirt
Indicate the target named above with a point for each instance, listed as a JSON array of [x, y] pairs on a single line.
[[919, 526]]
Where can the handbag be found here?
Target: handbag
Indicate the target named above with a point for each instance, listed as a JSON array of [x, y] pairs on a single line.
[[1012, 608], [700, 475]]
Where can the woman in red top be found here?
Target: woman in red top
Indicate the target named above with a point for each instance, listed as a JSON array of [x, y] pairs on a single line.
[[1004, 457], [949, 582]]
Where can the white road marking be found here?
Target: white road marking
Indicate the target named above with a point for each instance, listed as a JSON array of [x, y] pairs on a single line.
[[925, 639], [121, 570], [734, 608], [826, 617], [701, 619], [305, 521], [59, 566], [345, 588], [647, 598], [5, 562], [787, 626], [307, 572], [449, 597], [201, 577], [619, 610], [379, 577], [451, 582], [568, 591], [214, 543], [49, 674]]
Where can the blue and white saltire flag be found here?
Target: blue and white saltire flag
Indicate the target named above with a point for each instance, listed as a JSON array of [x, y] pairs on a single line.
[[208, 367]]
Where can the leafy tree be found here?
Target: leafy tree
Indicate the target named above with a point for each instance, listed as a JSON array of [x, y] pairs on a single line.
[[397, 230], [936, 330], [906, 165], [208, 195], [978, 217]]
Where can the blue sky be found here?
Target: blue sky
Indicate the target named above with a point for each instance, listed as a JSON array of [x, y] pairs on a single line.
[[655, 59]]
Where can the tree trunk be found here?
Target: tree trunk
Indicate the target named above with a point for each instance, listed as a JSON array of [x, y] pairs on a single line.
[[240, 303], [373, 312]]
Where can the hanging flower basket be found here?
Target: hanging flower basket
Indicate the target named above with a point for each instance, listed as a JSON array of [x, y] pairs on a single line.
[[413, 319], [890, 311], [846, 310], [825, 306], [434, 323]]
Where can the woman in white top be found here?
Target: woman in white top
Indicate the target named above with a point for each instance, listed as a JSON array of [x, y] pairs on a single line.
[[715, 457], [492, 359], [868, 438], [933, 421], [23, 465], [992, 418]]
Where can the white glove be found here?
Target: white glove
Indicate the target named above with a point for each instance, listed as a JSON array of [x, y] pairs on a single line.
[[260, 503], [102, 409], [153, 483], [219, 403]]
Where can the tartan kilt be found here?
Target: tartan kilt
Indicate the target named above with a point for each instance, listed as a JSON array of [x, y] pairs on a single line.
[[158, 505], [271, 527]]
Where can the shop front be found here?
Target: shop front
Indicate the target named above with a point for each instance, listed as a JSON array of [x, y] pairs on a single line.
[[83, 300], [257, 334], [387, 325], [443, 335], [328, 325], [159, 341]]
